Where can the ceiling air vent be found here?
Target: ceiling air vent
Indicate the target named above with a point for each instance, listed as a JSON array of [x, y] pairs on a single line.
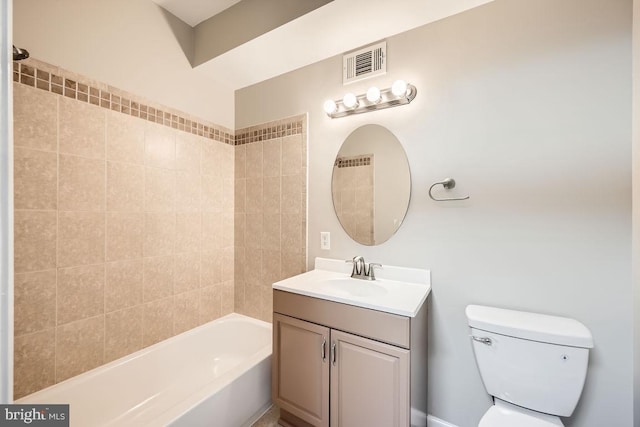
[[364, 63]]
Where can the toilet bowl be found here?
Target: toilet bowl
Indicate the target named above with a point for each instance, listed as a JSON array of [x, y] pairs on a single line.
[[534, 365]]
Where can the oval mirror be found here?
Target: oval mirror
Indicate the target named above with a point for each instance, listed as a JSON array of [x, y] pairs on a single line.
[[371, 184]]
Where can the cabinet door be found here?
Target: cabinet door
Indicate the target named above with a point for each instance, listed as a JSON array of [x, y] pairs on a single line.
[[300, 374], [369, 383]]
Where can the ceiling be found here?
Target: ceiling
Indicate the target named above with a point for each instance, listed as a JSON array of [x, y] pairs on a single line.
[[194, 12], [337, 27]]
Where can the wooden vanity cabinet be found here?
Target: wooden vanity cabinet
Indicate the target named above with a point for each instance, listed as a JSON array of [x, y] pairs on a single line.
[[339, 365]]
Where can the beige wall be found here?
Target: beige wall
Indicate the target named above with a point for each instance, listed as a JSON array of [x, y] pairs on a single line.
[[271, 211], [636, 206], [123, 231], [527, 105]]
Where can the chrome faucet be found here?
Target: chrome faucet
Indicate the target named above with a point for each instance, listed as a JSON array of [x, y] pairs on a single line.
[[360, 269]]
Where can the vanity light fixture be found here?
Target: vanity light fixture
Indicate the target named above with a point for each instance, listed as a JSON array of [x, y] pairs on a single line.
[[400, 93]]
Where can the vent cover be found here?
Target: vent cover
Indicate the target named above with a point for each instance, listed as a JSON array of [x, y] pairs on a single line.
[[364, 63]]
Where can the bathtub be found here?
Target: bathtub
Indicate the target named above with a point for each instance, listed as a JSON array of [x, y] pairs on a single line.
[[218, 374]]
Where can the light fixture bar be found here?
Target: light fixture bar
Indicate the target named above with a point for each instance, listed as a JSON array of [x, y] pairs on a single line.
[[387, 100]]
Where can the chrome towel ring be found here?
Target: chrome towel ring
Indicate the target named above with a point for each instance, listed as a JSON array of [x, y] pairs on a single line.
[[448, 184]]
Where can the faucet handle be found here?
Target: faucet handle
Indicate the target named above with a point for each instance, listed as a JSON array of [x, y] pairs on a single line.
[[372, 266]]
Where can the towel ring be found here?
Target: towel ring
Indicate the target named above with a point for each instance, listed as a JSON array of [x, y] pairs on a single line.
[[448, 184]]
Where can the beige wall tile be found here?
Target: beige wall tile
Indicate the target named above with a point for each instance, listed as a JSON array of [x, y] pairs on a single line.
[[187, 311], [271, 233], [123, 333], [228, 264], [229, 196], [34, 362], [292, 264], [271, 192], [124, 235], [212, 158], [188, 232], [35, 118], [80, 292], [226, 303], [159, 234], [188, 192], [188, 153], [272, 157], [125, 187], [266, 300], [34, 302], [82, 129], [81, 184], [159, 146], [228, 229], [240, 159], [228, 161], [123, 286], [291, 194], [159, 190], [254, 160], [210, 303], [239, 195], [253, 300], [254, 195], [271, 270], [159, 274], [125, 138], [157, 324], [187, 272], [292, 233], [253, 275], [212, 193], [240, 265], [292, 160], [79, 347], [210, 268], [253, 231], [35, 177], [35, 235], [239, 227], [81, 238], [212, 224], [238, 297]]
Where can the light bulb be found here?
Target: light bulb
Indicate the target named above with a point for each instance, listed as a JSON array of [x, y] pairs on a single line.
[[373, 95], [350, 101], [330, 106], [399, 88]]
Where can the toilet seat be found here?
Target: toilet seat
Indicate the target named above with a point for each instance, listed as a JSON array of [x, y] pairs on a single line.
[[505, 414]]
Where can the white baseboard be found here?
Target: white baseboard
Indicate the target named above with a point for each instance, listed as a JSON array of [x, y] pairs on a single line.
[[437, 422]]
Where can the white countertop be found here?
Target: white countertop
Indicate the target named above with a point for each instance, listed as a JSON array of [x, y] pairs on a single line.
[[396, 290]]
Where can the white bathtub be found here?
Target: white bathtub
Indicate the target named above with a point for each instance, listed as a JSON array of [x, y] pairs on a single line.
[[218, 374]]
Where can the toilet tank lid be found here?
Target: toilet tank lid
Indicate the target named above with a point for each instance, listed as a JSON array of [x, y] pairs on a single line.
[[530, 326]]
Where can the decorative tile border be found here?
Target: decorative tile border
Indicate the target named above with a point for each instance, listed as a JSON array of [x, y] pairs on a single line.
[[295, 125], [39, 74], [350, 162]]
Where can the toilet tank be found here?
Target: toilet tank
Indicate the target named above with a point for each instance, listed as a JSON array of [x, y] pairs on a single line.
[[532, 360]]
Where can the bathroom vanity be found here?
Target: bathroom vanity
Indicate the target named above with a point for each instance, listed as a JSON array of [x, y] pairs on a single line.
[[351, 352]]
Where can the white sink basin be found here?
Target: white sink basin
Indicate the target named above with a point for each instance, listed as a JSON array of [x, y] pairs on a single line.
[[398, 290], [352, 287]]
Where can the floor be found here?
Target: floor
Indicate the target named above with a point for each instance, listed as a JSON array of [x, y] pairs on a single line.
[[269, 419]]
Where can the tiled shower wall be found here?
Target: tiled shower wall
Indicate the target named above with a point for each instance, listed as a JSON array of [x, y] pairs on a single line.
[[124, 225], [270, 211]]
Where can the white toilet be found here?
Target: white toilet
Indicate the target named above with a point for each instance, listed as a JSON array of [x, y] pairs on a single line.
[[533, 365]]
